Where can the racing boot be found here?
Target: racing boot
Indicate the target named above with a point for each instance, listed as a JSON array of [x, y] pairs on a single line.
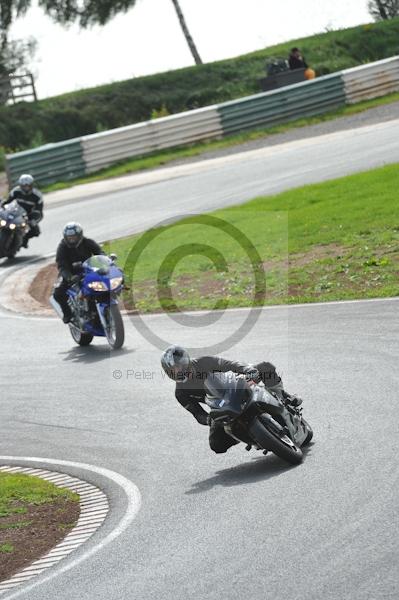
[[290, 399], [67, 315]]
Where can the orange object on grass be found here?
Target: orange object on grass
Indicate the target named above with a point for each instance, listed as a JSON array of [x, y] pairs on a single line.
[[310, 74]]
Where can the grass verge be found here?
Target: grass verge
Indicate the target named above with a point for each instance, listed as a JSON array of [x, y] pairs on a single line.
[[332, 241], [167, 156], [24, 489], [34, 515]]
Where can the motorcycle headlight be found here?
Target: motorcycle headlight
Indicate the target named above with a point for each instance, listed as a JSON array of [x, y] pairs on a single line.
[[3, 223], [116, 282], [12, 226], [98, 286]]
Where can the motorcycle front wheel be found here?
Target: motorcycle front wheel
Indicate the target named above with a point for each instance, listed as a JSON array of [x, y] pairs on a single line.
[[310, 433], [114, 330], [5, 243], [81, 338], [281, 445]]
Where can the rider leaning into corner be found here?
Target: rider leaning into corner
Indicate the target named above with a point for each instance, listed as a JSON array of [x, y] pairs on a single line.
[[73, 248], [190, 374], [31, 200]]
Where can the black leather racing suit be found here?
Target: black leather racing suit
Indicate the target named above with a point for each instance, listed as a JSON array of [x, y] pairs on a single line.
[[65, 258], [191, 393], [32, 203]]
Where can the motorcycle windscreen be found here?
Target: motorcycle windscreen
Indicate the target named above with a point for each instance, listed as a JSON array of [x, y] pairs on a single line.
[[13, 207], [14, 210], [226, 391], [99, 263]]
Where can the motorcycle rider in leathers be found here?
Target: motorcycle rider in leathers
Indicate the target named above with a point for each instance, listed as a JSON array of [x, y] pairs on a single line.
[[31, 200], [190, 374], [73, 248]]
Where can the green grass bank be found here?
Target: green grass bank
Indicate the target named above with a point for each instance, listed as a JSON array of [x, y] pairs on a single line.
[[27, 125], [332, 241]]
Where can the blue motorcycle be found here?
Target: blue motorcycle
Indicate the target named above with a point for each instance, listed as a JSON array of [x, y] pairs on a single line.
[[93, 300]]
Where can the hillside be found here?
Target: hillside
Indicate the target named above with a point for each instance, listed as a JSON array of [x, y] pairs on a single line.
[[88, 111]]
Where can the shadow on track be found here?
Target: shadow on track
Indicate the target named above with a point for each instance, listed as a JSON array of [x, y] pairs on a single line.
[[18, 260], [92, 354], [260, 469]]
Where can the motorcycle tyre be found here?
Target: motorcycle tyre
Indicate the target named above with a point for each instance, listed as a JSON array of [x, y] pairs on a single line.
[[310, 434], [271, 441], [4, 247], [81, 338], [117, 340]]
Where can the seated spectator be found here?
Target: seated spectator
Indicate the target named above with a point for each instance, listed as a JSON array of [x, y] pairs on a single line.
[[296, 60]]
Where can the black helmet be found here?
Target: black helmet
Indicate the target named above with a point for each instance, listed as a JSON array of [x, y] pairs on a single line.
[[176, 362], [25, 182], [72, 234]]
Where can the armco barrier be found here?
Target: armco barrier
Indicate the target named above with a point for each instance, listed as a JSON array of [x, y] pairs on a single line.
[[371, 81], [286, 104], [48, 164], [188, 127], [103, 149], [74, 158]]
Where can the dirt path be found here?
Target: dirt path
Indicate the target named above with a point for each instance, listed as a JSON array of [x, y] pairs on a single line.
[[27, 537], [41, 287]]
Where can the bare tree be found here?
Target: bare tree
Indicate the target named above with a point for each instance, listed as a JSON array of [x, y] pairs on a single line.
[[85, 12], [186, 32], [383, 10], [15, 57], [9, 11]]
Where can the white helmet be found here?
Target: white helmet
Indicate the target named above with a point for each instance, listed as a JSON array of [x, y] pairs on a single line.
[[25, 182]]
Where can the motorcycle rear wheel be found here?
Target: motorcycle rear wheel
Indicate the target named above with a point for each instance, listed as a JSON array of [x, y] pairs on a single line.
[[282, 446], [83, 339]]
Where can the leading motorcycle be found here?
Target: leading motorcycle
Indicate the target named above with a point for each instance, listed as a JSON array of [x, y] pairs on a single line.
[[93, 299], [13, 227], [251, 414]]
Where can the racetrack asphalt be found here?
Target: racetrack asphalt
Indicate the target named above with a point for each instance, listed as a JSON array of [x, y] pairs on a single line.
[[238, 525]]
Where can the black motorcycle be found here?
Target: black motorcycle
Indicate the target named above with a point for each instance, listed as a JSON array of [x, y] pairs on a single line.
[[251, 414], [13, 227]]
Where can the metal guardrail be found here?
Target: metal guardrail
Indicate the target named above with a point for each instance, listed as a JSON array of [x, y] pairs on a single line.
[[48, 164], [372, 80], [286, 104], [74, 158], [103, 149]]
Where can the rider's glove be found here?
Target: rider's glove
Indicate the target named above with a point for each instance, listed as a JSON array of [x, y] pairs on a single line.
[[293, 399], [34, 218], [74, 279], [252, 374], [203, 418]]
